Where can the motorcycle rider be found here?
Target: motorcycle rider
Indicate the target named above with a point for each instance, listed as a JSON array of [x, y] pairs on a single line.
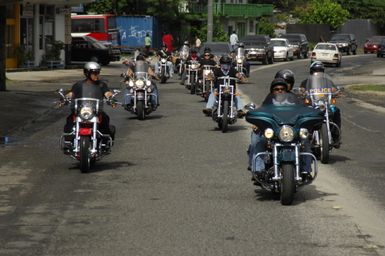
[[141, 63], [240, 53], [288, 76], [258, 141], [91, 87], [164, 54], [225, 69], [191, 58], [315, 67]]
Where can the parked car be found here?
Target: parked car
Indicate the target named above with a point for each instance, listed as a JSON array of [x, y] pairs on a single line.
[[381, 49], [85, 48], [282, 49], [345, 43], [327, 53], [372, 44], [259, 48], [299, 43]]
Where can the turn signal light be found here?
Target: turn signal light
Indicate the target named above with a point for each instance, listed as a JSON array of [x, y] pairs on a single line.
[[307, 102], [333, 101]]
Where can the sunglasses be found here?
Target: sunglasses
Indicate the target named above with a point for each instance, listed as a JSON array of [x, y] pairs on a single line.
[[95, 72], [207, 55], [279, 89]]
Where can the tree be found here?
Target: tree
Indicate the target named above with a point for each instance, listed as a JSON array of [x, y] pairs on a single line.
[[323, 12], [366, 9]]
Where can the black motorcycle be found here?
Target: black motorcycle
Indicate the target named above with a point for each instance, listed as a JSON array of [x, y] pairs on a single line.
[[286, 126]]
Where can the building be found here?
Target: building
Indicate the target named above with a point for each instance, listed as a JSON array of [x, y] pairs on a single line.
[[235, 15], [34, 28]]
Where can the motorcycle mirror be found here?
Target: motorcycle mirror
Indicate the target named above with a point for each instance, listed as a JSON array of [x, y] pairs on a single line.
[[340, 88], [250, 106]]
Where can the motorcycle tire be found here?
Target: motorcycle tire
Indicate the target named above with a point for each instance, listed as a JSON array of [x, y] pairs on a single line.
[[225, 118], [324, 144], [163, 79], [140, 110], [193, 87], [287, 184], [85, 158]]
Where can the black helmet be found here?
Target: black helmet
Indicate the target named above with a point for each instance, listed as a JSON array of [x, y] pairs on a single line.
[[317, 66], [207, 50], [241, 45], [286, 74], [225, 60], [186, 43], [276, 82], [140, 57], [91, 67]]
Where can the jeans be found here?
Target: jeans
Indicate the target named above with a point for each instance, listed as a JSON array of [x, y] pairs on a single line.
[[170, 68], [258, 144], [212, 101], [154, 97]]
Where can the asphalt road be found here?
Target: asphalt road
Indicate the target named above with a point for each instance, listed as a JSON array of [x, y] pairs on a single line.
[[175, 185]]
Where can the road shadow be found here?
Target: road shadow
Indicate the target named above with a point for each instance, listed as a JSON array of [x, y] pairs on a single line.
[[338, 158], [104, 166], [303, 194], [149, 117], [230, 129]]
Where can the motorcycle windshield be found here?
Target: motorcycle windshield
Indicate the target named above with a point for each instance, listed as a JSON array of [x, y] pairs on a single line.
[[87, 106], [184, 52], [141, 68], [319, 86], [240, 53], [284, 109]]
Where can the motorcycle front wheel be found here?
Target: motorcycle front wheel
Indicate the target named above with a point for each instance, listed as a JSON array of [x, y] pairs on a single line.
[[140, 109], [287, 184], [324, 144], [225, 118], [85, 158]]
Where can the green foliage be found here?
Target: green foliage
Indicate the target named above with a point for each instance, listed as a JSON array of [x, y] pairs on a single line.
[[365, 9], [218, 34], [323, 12], [265, 27]]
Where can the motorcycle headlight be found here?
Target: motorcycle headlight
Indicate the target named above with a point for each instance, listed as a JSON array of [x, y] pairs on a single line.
[[163, 60], [239, 61], [86, 112], [303, 133], [139, 83], [269, 133], [286, 133], [148, 82], [131, 83], [149, 89], [321, 105]]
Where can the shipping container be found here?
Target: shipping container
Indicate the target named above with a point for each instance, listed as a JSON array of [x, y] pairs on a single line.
[[133, 30]]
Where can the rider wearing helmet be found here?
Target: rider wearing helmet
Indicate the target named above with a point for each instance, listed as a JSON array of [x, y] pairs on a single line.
[[317, 67], [225, 69], [91, 87], [288, 76]]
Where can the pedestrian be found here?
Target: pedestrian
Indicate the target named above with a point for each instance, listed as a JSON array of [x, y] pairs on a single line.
[[233, 40], [147, 43], [167, 39]]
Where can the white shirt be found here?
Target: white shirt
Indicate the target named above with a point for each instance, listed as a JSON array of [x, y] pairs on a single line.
[[233, 39]]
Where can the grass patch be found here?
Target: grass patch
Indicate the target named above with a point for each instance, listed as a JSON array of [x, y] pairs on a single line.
[[369, 87]]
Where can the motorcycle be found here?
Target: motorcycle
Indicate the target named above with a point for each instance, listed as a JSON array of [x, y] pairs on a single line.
[[140, 93], [163, 71], [86, 143], [286, 126], [192, 77], [225, 111], [206, 84], [321, 95], [183, 55]]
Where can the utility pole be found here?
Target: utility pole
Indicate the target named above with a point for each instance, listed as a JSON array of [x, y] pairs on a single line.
[[210, 21], [3, 10]]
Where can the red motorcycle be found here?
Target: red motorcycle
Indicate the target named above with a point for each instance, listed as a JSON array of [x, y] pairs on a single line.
[[86, 143]]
